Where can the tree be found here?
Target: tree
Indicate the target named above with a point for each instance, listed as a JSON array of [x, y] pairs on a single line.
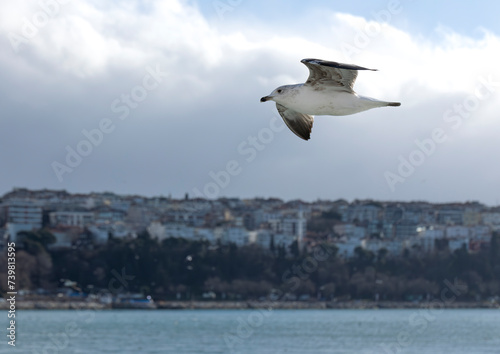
[[35, 242], [362, 258], [495, 249], [328, 291], [441, 244], [382, 256], [272, 246], [294, 249], [325, 222], [43, 272]]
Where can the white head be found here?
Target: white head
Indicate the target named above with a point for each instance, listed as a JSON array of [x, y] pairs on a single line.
[[281, 94]]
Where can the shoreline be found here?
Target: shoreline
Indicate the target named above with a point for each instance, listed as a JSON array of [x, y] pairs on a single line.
[[243, 305]]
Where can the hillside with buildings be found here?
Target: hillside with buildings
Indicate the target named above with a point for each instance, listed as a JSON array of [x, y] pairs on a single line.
[[199, 246], [372, 225]]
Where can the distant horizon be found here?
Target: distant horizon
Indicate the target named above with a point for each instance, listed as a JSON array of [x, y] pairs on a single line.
[[285, 200]]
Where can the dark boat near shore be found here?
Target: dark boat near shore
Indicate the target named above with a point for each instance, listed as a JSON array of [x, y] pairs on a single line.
[[134, 301]]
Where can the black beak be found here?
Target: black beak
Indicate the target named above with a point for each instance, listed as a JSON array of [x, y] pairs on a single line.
[[265, 98]]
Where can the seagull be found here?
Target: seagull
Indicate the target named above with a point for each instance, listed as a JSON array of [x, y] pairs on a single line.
[[327, 91]]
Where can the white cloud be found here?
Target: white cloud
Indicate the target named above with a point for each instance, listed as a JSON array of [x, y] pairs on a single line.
[[209, 104]]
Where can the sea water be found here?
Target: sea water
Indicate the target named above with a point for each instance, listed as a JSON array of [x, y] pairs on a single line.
[[256, 331]]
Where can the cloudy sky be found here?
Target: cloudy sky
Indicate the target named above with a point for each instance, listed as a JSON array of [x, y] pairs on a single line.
[[161, 97]]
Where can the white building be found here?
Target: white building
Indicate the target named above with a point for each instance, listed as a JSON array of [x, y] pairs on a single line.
[[263, 238], [24, 212], [71, 218], [22, 215], [187, 217], [289, 226], [428, 238], [205, 234], [350, 231], [456, 235], [268, 215], [236, 235], [393, 247], [361, 213], [432, 232], [457, 231], [481, 232], [450, 216], [179, 230], [163, 231], [491, 218], [106, 215]]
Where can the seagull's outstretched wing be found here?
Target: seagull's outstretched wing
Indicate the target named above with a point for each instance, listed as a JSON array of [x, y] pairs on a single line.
[[299, 123], [331, 73]]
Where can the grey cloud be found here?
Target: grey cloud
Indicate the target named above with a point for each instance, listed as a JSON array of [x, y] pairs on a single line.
[[193, 123]]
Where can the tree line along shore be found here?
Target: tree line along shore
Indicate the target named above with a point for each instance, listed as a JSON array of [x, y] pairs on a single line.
[[178, 269]]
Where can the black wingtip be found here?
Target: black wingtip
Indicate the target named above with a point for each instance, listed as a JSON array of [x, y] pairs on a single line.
[[306, 135]]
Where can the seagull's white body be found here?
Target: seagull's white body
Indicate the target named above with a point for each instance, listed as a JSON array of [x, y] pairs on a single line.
[[327, 91], [330, 101]]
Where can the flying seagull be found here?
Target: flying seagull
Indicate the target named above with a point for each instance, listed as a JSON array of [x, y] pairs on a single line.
[[327, 91]]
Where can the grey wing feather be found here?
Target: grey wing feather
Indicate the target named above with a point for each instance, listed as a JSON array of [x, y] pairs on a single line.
[[322, 72], [299, 123]]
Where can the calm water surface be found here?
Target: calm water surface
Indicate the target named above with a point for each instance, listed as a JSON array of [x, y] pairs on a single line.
[[257, 331]]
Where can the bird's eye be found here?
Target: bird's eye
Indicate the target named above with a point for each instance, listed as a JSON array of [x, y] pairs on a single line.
[[280, 91]]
